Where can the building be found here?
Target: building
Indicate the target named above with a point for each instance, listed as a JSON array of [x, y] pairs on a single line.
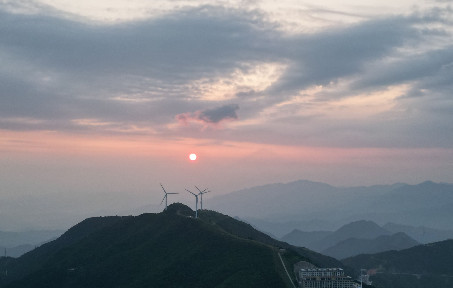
[[365, 276], [324, 278], [302, 265]]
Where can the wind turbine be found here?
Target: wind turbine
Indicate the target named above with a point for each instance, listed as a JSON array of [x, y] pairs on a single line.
[[165, 197], [196, 202], [201, 194]]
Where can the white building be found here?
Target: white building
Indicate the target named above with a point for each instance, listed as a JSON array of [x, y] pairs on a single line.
[[324, 278]]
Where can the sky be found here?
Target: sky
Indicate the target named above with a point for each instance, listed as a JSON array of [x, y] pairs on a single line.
[[101, 101]]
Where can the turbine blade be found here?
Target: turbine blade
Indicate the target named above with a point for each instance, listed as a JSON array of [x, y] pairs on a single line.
[[163, 188], [163, 199], [191, 192], [172, 193], [202, 191]]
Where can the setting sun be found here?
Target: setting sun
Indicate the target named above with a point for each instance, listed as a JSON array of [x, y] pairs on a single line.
[[193, 157]]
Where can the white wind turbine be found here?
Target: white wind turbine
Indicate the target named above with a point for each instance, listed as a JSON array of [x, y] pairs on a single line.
[[165, 197], [201, 194], [196, 202]]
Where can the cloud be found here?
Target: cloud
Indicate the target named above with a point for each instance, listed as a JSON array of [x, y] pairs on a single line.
[[210, 117], [62, 70], [328, 56], [144, 74], [181, 46], [218, 114]]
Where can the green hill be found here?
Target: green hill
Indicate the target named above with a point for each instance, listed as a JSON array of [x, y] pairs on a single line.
[[169, 249], [424, 266]]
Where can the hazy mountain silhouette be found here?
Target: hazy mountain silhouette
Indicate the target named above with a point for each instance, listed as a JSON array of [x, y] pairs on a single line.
[[421, 233], [14, 239], [422, 266], [168, 249], [15, 244], [359, 229], [427, 204], [280, 229], [354, 246], [321, 240], [16, 251]]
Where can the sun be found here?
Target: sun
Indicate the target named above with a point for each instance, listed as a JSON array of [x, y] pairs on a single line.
[[193, 157]]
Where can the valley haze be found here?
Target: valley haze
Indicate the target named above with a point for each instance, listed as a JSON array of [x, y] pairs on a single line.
[[274, 208]]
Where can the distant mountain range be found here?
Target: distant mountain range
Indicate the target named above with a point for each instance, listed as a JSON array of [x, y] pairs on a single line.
[[354, 246], [422, 266], [420, 233], [15, 244], [13, 239], [351, 239], [358, 229], [168, 249], [310, 206], [16, 251]]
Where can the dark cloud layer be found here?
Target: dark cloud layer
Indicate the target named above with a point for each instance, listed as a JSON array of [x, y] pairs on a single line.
[[218, 114], [327, 56], [211, 116], [180, 47]]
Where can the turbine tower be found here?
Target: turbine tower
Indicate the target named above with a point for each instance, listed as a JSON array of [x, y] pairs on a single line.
[[165, 197], [201, 196], [196, 202]]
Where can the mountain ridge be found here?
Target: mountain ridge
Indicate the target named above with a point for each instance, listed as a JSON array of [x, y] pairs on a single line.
[[166, 249]]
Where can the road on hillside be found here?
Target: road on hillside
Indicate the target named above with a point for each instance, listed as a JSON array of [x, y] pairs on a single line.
[[284, 266]]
